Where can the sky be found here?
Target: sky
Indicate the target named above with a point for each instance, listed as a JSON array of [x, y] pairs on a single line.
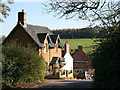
[[37, 15]]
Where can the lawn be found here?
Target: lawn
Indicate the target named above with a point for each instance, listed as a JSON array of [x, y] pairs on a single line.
[[87, 44]]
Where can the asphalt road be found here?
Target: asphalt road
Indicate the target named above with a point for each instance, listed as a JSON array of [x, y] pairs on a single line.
[[68, 84]]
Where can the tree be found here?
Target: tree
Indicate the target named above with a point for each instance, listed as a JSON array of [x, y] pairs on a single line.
[[109, 14], [4, 9], [106, 58], [80, 9], [21, 64], [3, 37], [106, 61], [106, 12]]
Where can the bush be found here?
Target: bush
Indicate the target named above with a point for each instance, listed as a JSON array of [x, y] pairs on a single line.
[[106, 61], [21, 64], [75, 74]]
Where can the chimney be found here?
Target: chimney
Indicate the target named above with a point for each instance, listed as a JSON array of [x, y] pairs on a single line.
[[79, 48], [66, 47], [22, 18]]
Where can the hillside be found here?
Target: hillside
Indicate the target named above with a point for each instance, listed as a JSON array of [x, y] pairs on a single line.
[[87, 44]]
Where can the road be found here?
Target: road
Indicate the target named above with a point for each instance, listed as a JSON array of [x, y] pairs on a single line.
[[72, 83]]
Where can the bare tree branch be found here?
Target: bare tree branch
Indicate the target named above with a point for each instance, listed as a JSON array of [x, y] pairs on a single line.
[[108, 13], [71, 9]]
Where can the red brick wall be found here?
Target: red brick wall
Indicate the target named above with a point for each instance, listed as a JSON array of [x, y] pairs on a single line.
[[81, 56]]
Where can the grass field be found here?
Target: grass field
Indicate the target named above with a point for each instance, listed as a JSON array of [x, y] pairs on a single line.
[[87, 44]]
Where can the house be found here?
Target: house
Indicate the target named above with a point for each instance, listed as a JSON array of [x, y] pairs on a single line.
[[68, 62], [48, 45], [81, 61], [64, 65]]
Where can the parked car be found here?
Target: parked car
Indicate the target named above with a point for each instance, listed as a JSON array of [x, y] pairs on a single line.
[[87, 75], [84, 75], [81, 75]]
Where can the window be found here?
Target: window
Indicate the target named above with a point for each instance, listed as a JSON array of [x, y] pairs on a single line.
[[45, 48]]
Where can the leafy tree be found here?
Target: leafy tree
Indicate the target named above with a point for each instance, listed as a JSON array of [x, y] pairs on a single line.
[[3, 37], [4, 9], [106, 60], [106, 56], [21, 64], [79, 33]]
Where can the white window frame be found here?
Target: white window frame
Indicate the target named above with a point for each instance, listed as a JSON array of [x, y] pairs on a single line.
[[45, 48]]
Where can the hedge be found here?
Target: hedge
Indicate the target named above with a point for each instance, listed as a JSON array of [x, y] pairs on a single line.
[[21, 64]]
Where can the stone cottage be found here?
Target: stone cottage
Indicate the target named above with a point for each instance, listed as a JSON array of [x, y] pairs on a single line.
[[48, 45]]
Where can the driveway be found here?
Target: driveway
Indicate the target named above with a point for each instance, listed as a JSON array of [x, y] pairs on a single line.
[[72, 83]]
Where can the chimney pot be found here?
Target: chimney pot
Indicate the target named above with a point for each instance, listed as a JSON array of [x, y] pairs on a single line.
[[67, 42], [22, 10]]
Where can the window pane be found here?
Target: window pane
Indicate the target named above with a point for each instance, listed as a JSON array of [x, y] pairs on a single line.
[[45, 48]]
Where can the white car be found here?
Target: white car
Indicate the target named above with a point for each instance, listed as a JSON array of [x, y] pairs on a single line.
[[87, 75]]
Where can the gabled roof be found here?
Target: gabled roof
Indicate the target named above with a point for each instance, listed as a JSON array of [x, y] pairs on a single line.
[[51, 44], [38, 34], [75, 52], [29, 32], [59, 42], [33, 30], [80, 56], [54, 38]]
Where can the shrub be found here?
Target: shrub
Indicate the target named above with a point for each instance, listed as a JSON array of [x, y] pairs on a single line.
[[106, 61], [21, 64], [75, 74]]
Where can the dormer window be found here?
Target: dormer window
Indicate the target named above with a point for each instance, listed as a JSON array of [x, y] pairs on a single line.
[[45, 48]]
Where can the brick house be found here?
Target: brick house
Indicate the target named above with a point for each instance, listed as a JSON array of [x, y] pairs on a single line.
[[81, 61], [48, 45]]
